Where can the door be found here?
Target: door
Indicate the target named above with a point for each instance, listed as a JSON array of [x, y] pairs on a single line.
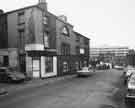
[[36, 68]]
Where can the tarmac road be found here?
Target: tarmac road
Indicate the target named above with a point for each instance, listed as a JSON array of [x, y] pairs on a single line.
[[104, 89]]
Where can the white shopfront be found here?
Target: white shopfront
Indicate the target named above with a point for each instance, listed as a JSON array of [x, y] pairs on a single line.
[[41, 66]]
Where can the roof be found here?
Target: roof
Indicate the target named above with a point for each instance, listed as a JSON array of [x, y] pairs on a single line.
[[81, 35], [33, 7], [20, 9], [110, 47], [59, 19], [48, 12]]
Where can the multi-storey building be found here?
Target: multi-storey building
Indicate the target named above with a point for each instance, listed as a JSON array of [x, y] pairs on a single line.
[[116, 55], [40, 44]]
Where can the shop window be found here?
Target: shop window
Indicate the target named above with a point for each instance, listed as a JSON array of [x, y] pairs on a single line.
[[65, 67], [48, 64]]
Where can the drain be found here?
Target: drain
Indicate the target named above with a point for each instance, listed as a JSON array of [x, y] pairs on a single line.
[[107, 106]]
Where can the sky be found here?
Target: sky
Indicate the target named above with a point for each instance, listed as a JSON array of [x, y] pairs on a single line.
[[105, 22]]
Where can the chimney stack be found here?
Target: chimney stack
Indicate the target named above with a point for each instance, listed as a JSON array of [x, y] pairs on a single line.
[[1, 11], [63, 18], [42, 4]]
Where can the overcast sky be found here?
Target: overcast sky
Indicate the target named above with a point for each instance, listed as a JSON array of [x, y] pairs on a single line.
[[109, 22]]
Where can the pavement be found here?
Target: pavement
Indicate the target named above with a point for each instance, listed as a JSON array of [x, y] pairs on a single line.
[[6, 88]]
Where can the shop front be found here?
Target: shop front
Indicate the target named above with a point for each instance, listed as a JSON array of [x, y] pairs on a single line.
[[41, 64]]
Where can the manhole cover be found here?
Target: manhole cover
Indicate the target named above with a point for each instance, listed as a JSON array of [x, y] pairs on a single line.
[[107, 106]]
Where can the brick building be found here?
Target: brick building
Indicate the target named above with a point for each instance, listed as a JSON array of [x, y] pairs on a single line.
[[40, 44]]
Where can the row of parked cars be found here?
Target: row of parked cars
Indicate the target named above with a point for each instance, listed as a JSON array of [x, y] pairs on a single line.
[[129, 81], [7, 74]]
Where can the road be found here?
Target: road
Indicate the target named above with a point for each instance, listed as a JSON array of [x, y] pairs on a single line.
[[103, 89]]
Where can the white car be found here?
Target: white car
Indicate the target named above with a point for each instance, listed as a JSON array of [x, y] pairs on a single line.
[[85, 72], [118, 67], [131, 88], [127, 73]]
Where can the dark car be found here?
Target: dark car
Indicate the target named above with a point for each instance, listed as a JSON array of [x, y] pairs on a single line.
[[7, 75]]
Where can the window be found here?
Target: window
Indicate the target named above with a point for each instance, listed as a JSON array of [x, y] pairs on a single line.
[[86, 41], [21, 39], [65, 49], [77, 50], [77, 38], [80, 64], [65, 66], [85, 63], [21, 19], [46, 39], [45, 20], [77, 65], [48, 64], [82, 51], [65, 31]]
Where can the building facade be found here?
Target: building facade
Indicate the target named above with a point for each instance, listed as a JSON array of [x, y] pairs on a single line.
[[38, 43], [115, 55]]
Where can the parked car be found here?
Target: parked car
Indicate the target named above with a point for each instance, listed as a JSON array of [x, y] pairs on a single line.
[[85, 71], [118, 67], [130, 94], [7, 75], [127, 73], [103, 66]]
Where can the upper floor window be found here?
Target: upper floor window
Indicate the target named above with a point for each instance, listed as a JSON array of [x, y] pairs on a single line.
[[21, 19], [21, 39], [46, 39], [65, 31], [45, 20], [78, 38], [86, 41], [65, 49], [82, 51], [77, 50]]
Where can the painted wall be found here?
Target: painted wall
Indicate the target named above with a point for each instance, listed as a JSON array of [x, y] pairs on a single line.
[[13, 27], [36, 17], [3, 31], [12, 30]]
